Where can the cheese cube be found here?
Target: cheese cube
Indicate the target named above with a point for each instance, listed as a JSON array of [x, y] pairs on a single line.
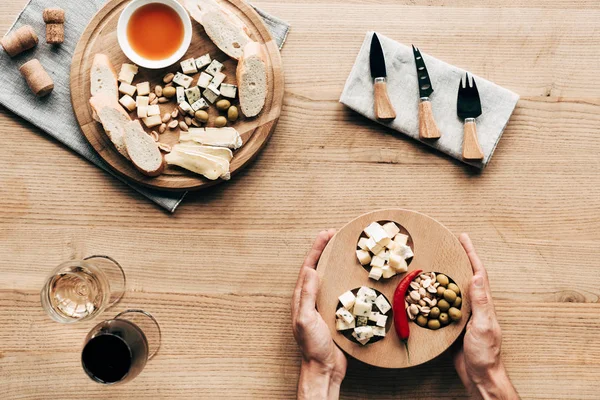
[[377, 261], [128, 102], [229, 91], [387, 272], [362, 243], [142, 101], [153, 110], [377, 233], [127, 73], [398, 263], [373, 246], [375, 273], [202, 61], [392, 229], [362, 308], [192, 94], [129, 67], [218, 79], [182, 80], [363, 332], [185, 108], [143, 89], [204, 80], [361, 341], [383, 253], [382, 304], [367, 294], [127, 89], [404, 251], [378, 331], [142, 111], [189, 66], [401, 239], [180, 94], [381, 320], [214, 67], [200, 104], [347, 299], [391, 245], [342, 325], [211, 94], [373, 316], [345, 315], [152, 121], [362, 321], [364, 257]]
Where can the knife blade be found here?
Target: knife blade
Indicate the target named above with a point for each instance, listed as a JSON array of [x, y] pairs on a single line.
[[468, 107], [383, 106], [427, 126]]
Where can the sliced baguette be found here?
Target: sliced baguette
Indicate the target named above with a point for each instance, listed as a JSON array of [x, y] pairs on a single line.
[[112, 117], [142, 149], [251, 76], [224, 28], [103, 77]]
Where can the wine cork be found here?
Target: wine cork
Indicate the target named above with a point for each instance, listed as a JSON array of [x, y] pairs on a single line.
[[37, 78], [20, 40], [55, 25]]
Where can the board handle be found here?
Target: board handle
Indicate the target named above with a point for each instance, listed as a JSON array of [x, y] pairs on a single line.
[[383, 105], [471, 148], [427, 126]]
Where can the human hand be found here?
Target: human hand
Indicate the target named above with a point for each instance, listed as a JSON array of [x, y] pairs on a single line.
[[323, 363], [478, 362]]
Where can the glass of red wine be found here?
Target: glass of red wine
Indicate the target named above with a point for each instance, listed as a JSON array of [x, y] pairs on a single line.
[[117, 350]]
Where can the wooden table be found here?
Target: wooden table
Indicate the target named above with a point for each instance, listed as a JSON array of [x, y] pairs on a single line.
[[219, 273]]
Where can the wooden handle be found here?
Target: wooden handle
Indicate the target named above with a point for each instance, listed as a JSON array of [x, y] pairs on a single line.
[[471, 148], [383, 106], [427, 127]]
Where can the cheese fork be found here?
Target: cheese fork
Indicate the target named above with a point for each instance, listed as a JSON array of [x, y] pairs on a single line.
[[468, 107]]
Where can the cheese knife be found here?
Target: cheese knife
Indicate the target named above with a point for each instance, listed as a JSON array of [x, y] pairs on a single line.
[[383, 107], [468, 107], [427, 126]]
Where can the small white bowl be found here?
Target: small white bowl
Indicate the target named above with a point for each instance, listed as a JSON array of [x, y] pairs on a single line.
[[144, 62]]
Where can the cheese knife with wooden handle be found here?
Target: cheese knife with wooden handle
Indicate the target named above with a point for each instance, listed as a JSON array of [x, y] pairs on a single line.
[[468, 107], [383, 106], [427, 126]]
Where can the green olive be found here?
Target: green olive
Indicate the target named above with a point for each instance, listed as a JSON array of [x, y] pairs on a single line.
[[221, 122], [421, 320], [232, 114], [454, 288], [201, 115], [440, 291], [434, 324], [443, 279], [457, 303], [168, 92], [454, 313], [443, 305], [223, 105], [449, 296], [444, 319], [434, 313]]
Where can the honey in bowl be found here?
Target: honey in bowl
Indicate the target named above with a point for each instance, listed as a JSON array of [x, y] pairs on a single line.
[[155, 31]]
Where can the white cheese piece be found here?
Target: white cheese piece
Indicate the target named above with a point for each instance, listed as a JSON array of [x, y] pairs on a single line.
[[347, 299], [192, 94], [204, 80], [391, 245], [401, 239], [180, 94], [142, 111], [404, 251], [182, 80], [200, 104], [129, 67], [127, 89], [194, 147], [377, 233], [387, 271], [142, 101], [373, 316], [377, 261], [128, 102], [362, 321], [363, 332], [214, 67], [189, 66], [398, 263], [203, 61], [391, 228], [381, 320], [152, 121], [342, 325], [362, 243], [367, 294], [211, 94], [378, 331], [127, 73], [383, 253], [345, 315], [218, 79], [361, 308], [205, 164], [373, 246], [361, 341], [185, 108], [153, 110], [220, 137], [375, 273], [382, 304], [228, 90], [364, 257], [143, 89]]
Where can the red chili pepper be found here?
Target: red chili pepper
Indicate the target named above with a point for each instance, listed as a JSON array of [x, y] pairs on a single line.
[[400, 316]]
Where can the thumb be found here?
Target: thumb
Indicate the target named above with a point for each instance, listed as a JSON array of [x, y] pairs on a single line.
[[481, 301]]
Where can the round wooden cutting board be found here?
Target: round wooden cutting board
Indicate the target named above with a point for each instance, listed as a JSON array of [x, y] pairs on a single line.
[[435, 248], [100, 36]]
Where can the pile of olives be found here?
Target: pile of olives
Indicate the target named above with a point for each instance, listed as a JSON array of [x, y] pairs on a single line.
[[445, 305]]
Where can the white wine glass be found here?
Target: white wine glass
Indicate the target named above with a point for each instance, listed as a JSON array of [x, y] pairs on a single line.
[[79, 290]]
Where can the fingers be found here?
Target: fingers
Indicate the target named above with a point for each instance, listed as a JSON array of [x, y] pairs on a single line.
[[479, 289], [308, 295], [476, 263]]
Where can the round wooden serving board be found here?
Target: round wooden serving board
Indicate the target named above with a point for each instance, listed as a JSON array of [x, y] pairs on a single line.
[[435, 248], [100, 36]]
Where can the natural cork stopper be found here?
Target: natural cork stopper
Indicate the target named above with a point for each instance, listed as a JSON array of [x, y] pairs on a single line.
[[54, 16], [37, 78], [55, 28], [20, 40]]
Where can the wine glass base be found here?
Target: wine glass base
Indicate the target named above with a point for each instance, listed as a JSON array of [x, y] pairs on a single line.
[[147, 324]]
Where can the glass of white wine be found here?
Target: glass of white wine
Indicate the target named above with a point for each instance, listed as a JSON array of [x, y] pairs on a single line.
[[79, 290]]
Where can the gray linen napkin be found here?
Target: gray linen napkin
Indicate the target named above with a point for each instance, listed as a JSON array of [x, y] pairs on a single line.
[[54, 114], [497, 103]]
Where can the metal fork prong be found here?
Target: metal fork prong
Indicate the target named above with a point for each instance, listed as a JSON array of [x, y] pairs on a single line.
[[468, 81], [474, 86], [414, 48]]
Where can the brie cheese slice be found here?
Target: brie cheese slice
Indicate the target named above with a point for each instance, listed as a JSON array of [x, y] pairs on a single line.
[[220, 137]]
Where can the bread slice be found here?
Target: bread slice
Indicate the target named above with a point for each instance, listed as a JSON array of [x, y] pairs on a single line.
[[142, 149], [224, 28], [112, 117], [251, 76], [103, 77]]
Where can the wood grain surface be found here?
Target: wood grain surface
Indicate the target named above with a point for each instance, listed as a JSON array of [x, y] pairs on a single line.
[[100, 36], [219, 273]]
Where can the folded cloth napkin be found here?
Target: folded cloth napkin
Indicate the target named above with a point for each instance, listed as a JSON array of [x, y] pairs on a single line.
[[54, 114], [497, 103]]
